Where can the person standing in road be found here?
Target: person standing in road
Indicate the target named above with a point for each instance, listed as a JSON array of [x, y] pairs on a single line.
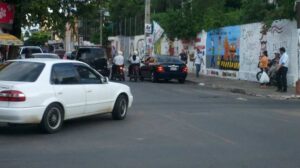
[[282, 71], [198, 61]]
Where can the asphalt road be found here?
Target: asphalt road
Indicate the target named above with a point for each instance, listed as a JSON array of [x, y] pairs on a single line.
[[170, 125]]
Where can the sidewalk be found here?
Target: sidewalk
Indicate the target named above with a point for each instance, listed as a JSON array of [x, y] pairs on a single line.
[[241, 87]]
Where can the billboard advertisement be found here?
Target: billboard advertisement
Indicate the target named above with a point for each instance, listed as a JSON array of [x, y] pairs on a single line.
[[6, 13]]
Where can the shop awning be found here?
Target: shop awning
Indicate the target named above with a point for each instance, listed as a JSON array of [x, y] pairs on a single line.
[[8, 39]]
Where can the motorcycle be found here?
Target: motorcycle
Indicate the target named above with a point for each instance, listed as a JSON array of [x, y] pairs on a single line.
[[272, 73], [118, 73], [135, 71]]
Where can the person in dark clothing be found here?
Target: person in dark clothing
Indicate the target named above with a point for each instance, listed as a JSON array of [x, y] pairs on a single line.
[[282, 71], [183, 56], [27, 53]]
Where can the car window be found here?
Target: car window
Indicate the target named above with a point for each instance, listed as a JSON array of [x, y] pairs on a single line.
[[45, 56], [21, 71], [169, 59], [87, 75], [32, 50], [35, 50], [64, 74], [90, 53]]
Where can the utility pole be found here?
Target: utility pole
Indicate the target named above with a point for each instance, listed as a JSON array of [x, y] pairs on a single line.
[[147, 28], [101, 24], [297, 9]]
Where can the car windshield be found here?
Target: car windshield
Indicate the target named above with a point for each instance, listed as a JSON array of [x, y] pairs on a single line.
[[91, 53], [168, 59], [21, 71]]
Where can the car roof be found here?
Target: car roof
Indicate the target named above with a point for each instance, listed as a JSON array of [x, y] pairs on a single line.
[[91, 47], [30, 47], [46, 60], [44, 54]]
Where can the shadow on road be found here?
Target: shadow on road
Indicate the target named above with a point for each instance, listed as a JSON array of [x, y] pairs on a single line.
[[69, 125]]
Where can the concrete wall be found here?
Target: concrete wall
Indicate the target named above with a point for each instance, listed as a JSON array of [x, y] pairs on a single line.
[[231, 52], [282, 33]]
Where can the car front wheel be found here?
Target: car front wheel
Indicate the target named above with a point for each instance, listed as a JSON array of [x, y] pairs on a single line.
[[120, 109], [153, 78], [53, 119]]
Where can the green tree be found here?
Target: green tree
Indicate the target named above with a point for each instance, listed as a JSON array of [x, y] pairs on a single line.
[[29, 12], [38, 38]]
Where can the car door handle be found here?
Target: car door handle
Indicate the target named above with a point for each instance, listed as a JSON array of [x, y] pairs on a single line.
[[59, 93], [89, 91]]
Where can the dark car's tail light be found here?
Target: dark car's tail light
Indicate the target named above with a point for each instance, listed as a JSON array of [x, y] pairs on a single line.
[[12, 96], [184, 69], [160, 69]]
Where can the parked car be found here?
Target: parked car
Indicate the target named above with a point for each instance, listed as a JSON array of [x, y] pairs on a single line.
[[30, 49], [60, 53], [45, 55], [163, 67], [49, 91], [94, 56]]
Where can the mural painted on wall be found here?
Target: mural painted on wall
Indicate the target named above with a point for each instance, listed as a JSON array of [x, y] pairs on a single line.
[[279, 36], [222, 48], [141, 47]]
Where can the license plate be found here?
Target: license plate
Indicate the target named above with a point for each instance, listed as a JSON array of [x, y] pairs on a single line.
[[173, 68]]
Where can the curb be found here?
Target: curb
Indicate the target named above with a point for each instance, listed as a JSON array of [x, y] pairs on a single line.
[[245, 92]]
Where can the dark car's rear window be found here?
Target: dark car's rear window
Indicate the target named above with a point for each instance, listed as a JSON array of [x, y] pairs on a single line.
[[169, 59], [21, 71], [90, 53], [46, 56], [32, 50]]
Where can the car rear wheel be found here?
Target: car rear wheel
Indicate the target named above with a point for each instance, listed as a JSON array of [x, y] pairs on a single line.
[[120, 109], [141, 78], [53, 119]]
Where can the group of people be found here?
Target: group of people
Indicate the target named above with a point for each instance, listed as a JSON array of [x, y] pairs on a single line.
[[198, 59], [119, 61], [279, 68]]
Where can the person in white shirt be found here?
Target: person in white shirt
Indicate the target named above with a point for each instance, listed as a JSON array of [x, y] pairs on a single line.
[[198, 61], [134, 60], [282, 71], [117, 61]]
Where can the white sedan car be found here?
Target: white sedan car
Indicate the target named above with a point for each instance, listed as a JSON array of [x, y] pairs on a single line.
[[49, 91]]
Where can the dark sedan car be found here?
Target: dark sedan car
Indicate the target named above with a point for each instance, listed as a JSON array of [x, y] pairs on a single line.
[[94, 56], [164, 67]]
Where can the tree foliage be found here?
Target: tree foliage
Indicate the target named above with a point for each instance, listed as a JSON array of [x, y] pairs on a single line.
[[179, 18], [29, 12], [38, 38], [187, 17]]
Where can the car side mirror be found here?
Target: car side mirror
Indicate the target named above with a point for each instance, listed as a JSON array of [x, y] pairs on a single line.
[[104, 79]]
